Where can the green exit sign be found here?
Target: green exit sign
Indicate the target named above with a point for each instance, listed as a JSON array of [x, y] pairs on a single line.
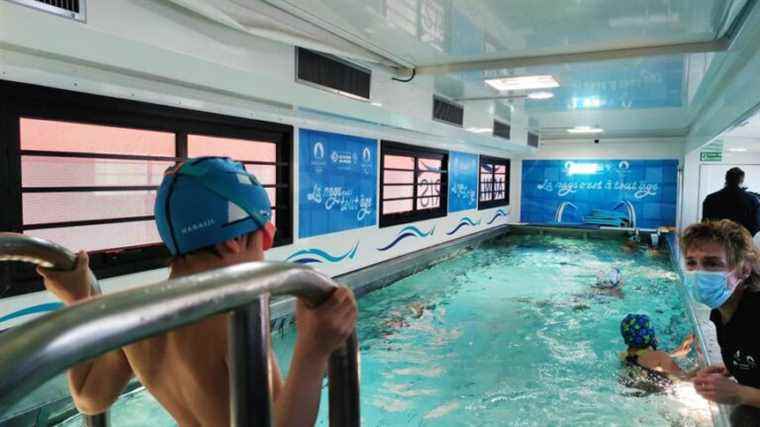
[[710, 156]]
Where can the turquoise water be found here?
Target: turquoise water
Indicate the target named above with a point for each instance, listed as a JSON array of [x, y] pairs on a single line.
[[508, 334]]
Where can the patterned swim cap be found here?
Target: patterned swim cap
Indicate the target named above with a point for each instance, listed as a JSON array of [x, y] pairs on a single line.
[[637, 331]]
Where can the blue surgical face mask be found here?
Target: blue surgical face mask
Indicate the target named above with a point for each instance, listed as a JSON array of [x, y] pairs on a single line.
[[711, 288]]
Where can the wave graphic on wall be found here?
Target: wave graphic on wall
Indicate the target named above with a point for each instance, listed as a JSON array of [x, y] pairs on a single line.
[[464, 222], [320, 256], [406, 232], [499, 214], [35, 309]]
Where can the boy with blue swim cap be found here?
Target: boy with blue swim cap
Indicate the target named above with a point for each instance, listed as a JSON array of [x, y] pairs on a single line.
[[211, 214]]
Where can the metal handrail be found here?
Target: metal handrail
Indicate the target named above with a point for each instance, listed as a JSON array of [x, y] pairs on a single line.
[[34, 352], [18, 247]]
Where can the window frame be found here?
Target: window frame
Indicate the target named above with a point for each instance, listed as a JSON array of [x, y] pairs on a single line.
[[417, 152], [20, 100], [489, 204]]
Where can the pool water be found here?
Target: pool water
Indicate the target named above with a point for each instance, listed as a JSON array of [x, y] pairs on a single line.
[[508, 334]]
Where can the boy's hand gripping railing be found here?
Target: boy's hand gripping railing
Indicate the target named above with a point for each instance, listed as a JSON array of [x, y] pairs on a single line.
[[40, 349]]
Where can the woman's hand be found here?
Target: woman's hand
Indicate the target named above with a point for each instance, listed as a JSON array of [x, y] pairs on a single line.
[[719, 388], [714, 369], [70, 286]]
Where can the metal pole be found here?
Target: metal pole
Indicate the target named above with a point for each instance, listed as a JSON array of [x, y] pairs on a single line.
[[250, 376], [100, 420], [343, 372]]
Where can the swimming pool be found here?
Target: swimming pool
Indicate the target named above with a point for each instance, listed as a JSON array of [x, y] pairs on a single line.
[[507, 334]]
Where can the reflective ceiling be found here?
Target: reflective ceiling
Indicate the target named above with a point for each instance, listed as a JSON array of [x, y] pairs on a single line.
[[630, 97], [428, 32]]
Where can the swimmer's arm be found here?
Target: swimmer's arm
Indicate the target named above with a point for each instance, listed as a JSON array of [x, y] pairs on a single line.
[[749, 396], [666, 365], [96, 384], [684, 348], [298, 400]]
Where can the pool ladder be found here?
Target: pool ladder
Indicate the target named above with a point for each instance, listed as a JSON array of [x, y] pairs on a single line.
[[38, 350]]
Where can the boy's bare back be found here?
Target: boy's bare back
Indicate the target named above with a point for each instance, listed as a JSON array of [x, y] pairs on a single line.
[[186, 370]]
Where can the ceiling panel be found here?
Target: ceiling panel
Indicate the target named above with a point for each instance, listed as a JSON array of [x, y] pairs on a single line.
[[429, 32]]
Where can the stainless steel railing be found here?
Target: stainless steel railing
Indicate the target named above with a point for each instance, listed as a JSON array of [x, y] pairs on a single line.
[[34, 352]]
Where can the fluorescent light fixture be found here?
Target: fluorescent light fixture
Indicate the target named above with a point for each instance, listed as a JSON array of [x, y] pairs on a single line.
[[377, 104], [585, 129], [480, 130], [737, 150], [523, 83], [540, 95], [583, 168]]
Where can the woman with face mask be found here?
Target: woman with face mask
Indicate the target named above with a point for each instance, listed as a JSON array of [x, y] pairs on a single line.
[[722, 273]]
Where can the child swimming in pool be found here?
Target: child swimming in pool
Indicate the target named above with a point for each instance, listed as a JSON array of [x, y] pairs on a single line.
[[610, 282], [646, 367]]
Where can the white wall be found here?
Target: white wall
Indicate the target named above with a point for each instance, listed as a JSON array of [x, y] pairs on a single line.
[[694, 194], [174, 57], [665, 148]]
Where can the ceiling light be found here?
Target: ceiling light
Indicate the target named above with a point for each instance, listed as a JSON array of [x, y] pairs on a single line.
[[540, 95], [377, 104], [523, 83], [480, 130], [585, 129], [583, 168], [737, 150]]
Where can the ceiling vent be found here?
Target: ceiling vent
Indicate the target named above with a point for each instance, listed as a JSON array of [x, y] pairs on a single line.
[[73, 9], [447, 111], [501, 129], [533, 139], [332, 73]]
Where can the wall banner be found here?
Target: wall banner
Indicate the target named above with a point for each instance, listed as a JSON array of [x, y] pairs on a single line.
[[337, 182], [463, 181], [613, 193]]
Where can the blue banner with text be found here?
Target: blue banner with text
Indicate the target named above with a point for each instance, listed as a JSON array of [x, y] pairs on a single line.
[[612, 193], [463, 181], [337, 182]]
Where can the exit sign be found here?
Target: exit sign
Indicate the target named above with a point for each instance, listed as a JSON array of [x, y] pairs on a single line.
[[711, 156]]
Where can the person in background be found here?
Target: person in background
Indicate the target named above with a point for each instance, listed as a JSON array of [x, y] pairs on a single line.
[[733, 202], [211, 214], [610, 281], [722, 273], [648, 368]]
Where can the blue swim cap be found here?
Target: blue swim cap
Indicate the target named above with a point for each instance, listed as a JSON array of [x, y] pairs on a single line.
[[209, 200], [637, 331]]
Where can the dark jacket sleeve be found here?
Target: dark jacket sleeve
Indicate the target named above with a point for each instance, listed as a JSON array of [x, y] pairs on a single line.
[[754, 217]]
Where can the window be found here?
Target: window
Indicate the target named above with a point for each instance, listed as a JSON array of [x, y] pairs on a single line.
[[501, 129], [413, 183], [333, 73], [494, 182], [447, 111], [83, 171]]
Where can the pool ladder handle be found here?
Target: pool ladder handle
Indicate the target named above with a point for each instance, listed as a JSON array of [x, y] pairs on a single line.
[[59, 340]]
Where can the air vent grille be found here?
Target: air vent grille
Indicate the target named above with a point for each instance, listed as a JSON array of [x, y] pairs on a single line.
[[501, 129], [74, 9], [447, 111], [533, 139], [332, 73]]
